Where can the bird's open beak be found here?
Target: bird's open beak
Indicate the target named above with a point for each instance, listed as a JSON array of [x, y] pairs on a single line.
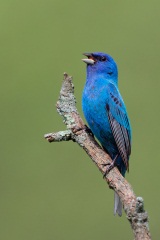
[[90, 60]]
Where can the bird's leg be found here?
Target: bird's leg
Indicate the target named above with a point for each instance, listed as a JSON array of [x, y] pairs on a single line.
[[111, 166]]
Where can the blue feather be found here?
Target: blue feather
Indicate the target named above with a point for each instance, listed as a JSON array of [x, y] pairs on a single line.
[[105, 111]]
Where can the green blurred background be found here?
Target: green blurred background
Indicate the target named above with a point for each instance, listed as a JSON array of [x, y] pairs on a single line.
[[54, 191]]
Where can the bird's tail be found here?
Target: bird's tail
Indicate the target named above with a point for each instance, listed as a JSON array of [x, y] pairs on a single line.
[[117, 205]]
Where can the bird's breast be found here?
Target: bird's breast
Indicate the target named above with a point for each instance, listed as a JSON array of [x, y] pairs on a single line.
[[94, 102]]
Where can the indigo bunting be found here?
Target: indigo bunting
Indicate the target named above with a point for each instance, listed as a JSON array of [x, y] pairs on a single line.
[[106, 114]]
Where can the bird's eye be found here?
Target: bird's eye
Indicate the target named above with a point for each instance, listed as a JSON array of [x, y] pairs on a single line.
[[103, 59]]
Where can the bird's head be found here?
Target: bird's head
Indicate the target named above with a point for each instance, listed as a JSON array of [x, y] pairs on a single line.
[[101, 63]]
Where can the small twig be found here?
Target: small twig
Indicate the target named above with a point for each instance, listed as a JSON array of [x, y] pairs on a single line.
[[59, 136], [77, 132]]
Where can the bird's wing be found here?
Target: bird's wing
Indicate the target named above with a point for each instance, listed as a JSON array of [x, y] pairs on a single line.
[[119, 124]]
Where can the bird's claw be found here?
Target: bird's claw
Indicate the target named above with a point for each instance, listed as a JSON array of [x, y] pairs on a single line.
[[109, 168], [84, 127], [88, 130]]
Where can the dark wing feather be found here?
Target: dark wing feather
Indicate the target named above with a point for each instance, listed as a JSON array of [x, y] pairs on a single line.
[[120, 127]]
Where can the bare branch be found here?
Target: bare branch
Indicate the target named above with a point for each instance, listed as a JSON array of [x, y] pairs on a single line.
[[59, 136], [78, 132]]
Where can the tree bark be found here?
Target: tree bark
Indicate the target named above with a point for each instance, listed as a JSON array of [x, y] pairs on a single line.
[[79, 133]]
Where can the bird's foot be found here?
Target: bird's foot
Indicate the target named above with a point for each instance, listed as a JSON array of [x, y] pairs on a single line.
[[85, 127], [88, 130], [110, 166]]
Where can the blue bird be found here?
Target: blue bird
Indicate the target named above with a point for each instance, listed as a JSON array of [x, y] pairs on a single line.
[[106, 114]]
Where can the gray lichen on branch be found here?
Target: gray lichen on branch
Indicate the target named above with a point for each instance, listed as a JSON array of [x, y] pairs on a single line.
[[59, 136], [78, 132]]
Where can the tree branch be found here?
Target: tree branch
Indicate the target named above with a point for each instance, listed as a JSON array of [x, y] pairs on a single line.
[[79, 133]]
